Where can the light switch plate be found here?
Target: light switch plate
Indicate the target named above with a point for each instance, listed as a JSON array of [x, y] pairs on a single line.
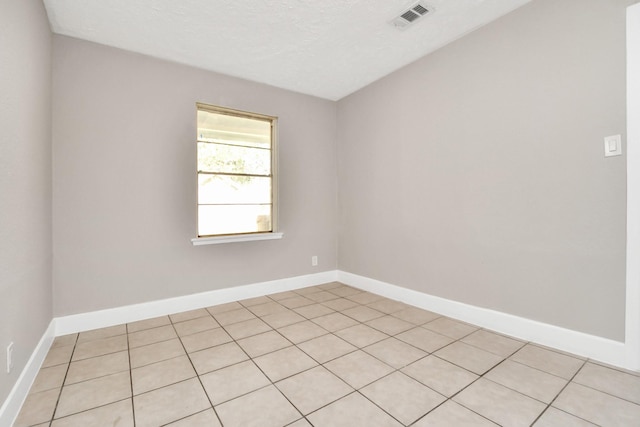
[[613, 146]]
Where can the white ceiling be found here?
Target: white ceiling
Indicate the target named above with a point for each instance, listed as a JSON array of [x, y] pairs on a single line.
[[326, 48]]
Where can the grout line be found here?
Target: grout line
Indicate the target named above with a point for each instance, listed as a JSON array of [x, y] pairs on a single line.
[[560, 392], [204, 390], [133, 407], [55, 409]]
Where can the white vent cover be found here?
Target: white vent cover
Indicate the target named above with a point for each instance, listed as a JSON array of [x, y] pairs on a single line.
[[411, 15]]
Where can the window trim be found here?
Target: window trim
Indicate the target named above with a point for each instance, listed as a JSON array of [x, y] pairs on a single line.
[[247, 236]]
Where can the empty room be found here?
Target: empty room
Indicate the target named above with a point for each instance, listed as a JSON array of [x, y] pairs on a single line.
[[319, 213]]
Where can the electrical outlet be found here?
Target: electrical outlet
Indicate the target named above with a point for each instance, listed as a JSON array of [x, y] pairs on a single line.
[[9, 358], [314, 261]]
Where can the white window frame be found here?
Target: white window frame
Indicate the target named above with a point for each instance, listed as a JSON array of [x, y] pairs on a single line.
[[249, 236]]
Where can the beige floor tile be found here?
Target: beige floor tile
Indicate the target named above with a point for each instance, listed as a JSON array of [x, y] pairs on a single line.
[[100, 347], [450, 327], [493, 343], [611, 381], [330, 285], [424, 339], [500, 404], [300, 423], [58, 356], [450, 414], [95, 334], [597, 407], [64, 340], [247, 328], [626, 371], [334, 321], [415, 315], [172, 403], [157, 352], [529, 381], [223, 308], [345, 291], [189, 315], [37, 408], [340, 304], [269, 307], [96, 367], [308, 290], [190, 327], [351, 411], [285, 318], [263, 343], [160, 374], [206, 418], [118, 414], [362, 313], [205, 339], [365, 298], [358, 369], [49, 378], [387, 306], [313, 389], [151, 336], [395, 352], [250, 302], [553, 417], [284, 363], [233, 316], [440, 375], [302, 331], [326, 347], [295, 302], [93, 393], [566, 353], [283, 295], [217, 357], [361, 335], [312, 311], [233, 381], [141, 325], [390, 325], [549, 361], [469, 357], [266, 407], [402, 397], [322, 296]]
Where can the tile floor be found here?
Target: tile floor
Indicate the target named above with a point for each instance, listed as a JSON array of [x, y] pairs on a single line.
[[329, 355]]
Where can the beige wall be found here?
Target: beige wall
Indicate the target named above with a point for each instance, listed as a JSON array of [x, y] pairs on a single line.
[[477, 173], [25, 182], [124, 181]]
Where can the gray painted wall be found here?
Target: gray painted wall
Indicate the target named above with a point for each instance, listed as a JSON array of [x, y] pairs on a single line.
[[124, 207], [25, 182], [477, 173]]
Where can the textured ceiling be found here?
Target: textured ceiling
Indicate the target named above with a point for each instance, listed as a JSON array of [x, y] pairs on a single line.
[[326, 48]]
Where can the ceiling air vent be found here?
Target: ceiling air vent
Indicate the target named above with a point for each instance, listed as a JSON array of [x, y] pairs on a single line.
[[411, 15]]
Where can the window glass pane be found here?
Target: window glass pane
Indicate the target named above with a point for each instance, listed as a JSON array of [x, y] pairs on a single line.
[[233, 159], [216, 127], [231, 219], [224, 189]]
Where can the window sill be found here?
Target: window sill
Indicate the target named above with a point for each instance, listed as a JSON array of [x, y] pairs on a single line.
[[199, 241]]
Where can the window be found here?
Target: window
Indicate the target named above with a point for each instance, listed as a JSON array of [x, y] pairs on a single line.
[[236, 163]]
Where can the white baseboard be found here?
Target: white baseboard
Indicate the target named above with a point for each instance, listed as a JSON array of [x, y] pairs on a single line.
[[11, 406], [581, 344], [131, 313]]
